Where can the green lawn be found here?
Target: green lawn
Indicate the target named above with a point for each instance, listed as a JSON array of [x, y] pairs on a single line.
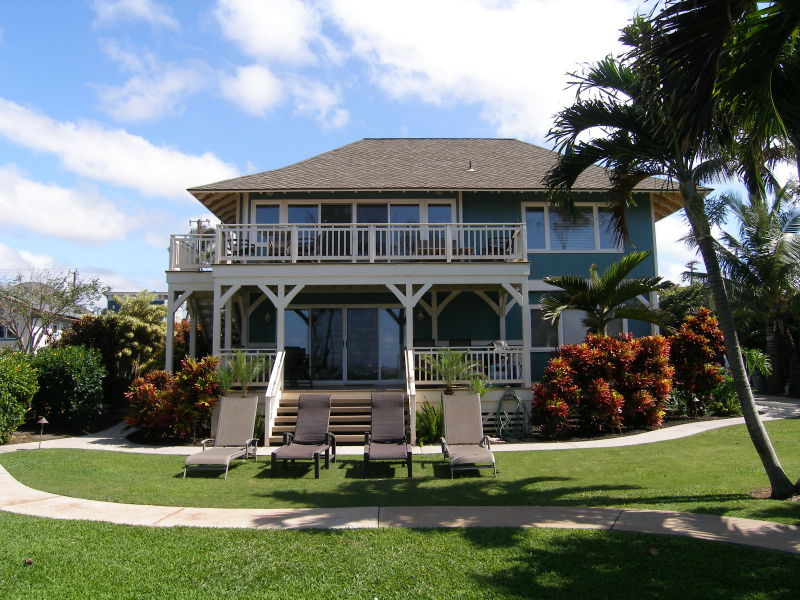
[[77, 560], [709, 473]]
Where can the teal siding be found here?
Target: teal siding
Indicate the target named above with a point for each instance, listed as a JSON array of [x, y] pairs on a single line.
[[539, 361], [639, 328], [259, 331], [468, 316]]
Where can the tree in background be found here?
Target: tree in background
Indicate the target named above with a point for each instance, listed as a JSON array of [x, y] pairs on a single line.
[[181, 348], [142, 331], [604, 298], [31, 302], [762, 265]]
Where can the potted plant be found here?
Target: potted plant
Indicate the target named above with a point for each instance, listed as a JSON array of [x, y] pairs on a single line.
[[245, 369], [451, 368]]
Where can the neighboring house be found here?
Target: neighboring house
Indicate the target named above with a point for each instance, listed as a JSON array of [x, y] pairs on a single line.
[[113, 306], [54, 332], [367, 256]]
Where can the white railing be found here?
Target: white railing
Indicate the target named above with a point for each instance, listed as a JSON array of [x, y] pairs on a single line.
[[272, 397], [266, 354], [350, 243], [411, 394], [191, 252], [500, 365]]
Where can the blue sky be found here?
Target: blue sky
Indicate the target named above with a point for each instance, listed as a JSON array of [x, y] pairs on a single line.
[[110, 109]]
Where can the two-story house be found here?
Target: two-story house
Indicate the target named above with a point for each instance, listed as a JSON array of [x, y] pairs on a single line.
[[363, 258]]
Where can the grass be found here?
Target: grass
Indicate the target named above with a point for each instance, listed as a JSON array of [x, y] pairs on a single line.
[[710, 473], [98, 560]]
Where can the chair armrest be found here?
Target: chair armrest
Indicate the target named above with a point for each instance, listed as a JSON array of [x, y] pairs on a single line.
[[367, 437], [445, 448], [486, 442], [408, 436], [254, 443], [330, 439], [288, 438], [207, 442]]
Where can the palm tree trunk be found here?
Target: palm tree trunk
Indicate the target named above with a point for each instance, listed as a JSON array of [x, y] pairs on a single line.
[[695, 211], [775, 380]]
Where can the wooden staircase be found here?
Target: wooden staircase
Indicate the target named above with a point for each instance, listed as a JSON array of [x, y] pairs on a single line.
[[351, 414]]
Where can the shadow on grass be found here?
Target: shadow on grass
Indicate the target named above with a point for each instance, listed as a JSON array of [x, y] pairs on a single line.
[[624, 565]]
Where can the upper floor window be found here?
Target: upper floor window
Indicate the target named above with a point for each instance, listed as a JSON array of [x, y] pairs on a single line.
[[310, 213], [552, 229]]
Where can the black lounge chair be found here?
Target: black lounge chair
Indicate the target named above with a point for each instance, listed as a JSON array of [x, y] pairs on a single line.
[[311, 437], [463, 442], [389, 438], [233, 436]]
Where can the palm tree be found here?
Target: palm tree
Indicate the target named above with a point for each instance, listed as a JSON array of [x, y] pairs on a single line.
[[608, 296], [742, 55], [635, 135], [762, 263]]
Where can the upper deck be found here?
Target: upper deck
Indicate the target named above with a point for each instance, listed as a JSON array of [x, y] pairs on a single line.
[[348, 243]]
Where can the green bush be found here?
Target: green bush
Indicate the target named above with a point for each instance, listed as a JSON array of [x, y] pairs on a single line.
[[70, 385], [724, 401], [18, 384]]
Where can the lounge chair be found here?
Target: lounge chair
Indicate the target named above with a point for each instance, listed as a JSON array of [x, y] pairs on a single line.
[[389, 438], [463, 442], [311, 437], [233, 437]]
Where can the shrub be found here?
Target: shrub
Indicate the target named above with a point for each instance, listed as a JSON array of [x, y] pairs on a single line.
[[70, 385], [430, 424], [724, 402], [167, 405], [101, 333], [18, 384], [604, 384], [695, 349]]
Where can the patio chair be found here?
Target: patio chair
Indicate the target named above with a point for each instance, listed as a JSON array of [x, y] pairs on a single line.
[[388, 440], [233, 436], [311, 437], [464, 443]]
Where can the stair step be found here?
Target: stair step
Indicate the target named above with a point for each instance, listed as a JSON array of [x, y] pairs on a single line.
[[331, 428], [277, 440], [292, 419]]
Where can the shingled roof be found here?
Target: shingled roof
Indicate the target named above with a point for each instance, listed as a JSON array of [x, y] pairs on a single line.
[[446, 164]]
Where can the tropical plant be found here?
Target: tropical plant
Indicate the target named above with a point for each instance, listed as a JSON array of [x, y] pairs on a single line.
[[451, 367], [682, 301], [604, 298], [224, 378], [480, 385], [755, 360], [18, 385], [622, 121], [604, 384], [762, 266], [430, 424], [163, 404], [142, 329], [245, 369], [723, 397]]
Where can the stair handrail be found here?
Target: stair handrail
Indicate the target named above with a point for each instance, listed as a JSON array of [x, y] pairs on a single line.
[[272, 397], [411, 393]]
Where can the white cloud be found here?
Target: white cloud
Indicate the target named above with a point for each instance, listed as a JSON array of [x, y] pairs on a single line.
[[14, 261], [112, 12], [57, 212], [317, 100], [255, 89], [91, 150], [673, 254], [281, 30], [509, 57], [154, 91]]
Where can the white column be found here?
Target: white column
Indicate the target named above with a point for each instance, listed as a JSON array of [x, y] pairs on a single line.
[[280, 318], [526, 335], [217, 320], [228, 325], [169, 351]]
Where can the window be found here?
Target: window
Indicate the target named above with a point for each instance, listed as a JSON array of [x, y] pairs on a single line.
[[543, 333], [549, 228], [310, 213]]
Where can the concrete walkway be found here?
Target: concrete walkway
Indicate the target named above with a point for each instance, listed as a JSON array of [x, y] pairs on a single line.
[[18, 498]]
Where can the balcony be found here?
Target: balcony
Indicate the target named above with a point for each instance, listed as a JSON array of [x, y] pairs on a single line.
[[353, 243]]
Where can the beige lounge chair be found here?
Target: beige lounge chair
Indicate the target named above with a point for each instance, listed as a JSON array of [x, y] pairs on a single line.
[[232, 439], [464, 443], [388, 440]]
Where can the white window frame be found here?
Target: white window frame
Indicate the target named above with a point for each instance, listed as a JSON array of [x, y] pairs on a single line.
[[283, 206], [560, 331], [595, 221]]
